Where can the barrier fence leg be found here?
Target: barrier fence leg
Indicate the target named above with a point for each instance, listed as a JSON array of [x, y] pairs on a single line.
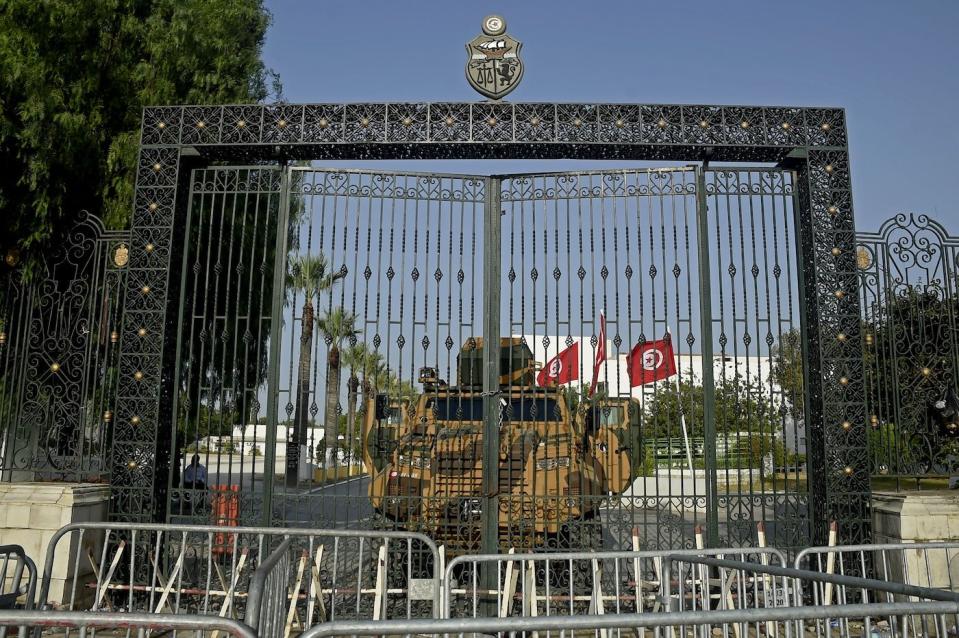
[[295, 595], [830, 562], [316, 593], [231, 592], [162, 580], [109, 577], [596, 605], [529, 600], [703, 572], [172, 580], [379, 598], [509, 589], [638, 576], [444, 595], [772, 629]]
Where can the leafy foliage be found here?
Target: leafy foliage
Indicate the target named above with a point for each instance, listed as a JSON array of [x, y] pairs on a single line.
[[911, 355], [787, 370], [741, 405], [74, 77]]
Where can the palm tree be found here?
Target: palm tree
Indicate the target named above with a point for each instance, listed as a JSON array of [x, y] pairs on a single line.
[[311, 276], [355, 358], [373, 368], [360, 360], [337, 325]]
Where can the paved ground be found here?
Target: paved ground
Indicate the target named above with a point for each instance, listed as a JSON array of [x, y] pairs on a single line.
[[342, 504], [669, 522]]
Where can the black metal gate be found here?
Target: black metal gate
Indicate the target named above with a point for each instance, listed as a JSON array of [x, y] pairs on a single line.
[[312, 297]]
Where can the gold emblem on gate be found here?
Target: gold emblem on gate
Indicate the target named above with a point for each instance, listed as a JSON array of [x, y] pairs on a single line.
[[493, 66], [121, 255]]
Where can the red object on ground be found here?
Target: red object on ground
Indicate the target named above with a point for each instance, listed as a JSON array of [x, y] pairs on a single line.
[[226, 513]]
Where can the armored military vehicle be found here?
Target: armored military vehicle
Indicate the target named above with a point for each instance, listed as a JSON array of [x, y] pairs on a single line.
[[550, 471]]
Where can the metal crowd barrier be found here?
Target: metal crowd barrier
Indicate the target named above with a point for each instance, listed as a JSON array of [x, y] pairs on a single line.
[[934, 619], [570, 583], [13, 563], [266, 607], [800, 580], [931, 565], [66, 621], [208, 570]]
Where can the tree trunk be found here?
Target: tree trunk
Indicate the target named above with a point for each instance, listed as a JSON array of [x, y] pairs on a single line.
[[352, 386], [297, 436], [332, 401]]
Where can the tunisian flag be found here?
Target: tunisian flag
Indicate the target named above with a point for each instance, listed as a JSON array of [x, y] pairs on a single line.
[[562, 368], [651, 361]]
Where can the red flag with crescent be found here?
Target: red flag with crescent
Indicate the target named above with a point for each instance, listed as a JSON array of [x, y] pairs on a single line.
[[562, 368], [651, 361]]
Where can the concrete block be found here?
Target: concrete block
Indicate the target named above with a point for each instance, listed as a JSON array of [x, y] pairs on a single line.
[[33, 512], [45, 516], [18, 515]]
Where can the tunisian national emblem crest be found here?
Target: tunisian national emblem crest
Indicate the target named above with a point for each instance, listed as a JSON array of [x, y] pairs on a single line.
[[493, 67]]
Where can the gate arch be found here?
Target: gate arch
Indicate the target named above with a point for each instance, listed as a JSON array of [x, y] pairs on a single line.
[[811, 142]]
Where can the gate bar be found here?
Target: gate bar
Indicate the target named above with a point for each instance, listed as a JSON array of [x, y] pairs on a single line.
[[273, 371], [492, 291], [709, 385]]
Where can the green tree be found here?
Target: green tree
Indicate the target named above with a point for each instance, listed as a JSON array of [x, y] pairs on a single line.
[[310, 276], [662, 409], [361, 361], [786, 370], [910, 356], [741, 405], [337, 325], [74, 77], [355, 357]]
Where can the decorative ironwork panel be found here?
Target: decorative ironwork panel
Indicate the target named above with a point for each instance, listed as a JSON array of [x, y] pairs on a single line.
[[135, 472], [909, 292], [59, 334], [765, 131], [833, 374]]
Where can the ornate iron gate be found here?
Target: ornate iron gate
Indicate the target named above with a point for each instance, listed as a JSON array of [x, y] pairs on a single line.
[[59, 350], [231, 272], [809, 141], [909, 289], [360, 298]]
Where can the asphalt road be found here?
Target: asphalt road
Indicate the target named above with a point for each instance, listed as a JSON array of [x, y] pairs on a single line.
[[340, 505]]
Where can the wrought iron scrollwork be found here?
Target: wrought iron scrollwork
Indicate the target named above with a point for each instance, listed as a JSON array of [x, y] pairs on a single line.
[[59, 355], [909, 287]]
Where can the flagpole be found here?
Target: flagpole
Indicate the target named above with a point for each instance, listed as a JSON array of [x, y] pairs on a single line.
[[682, 423], [682, 413]]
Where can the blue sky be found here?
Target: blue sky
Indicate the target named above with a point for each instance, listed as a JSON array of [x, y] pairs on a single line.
[[891, 64]]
